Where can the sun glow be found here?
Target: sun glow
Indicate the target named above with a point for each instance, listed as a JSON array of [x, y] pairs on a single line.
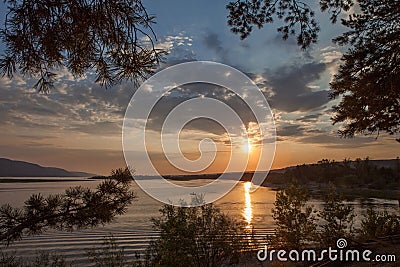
[[247, 147]]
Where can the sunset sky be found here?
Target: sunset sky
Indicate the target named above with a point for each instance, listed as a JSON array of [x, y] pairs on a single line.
[[78, 125]]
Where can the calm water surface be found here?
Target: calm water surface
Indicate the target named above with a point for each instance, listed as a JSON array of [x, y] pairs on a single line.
[[134, 229]]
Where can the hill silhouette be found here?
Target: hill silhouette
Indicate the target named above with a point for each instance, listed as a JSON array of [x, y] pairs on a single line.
[[15, 168]]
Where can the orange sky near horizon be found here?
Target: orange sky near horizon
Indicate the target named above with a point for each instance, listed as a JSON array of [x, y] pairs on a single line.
[[69, 154]]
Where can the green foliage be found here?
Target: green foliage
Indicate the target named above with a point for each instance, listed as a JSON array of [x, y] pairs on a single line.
[[78, 207], [294, 219], [337, 218], [113, 38], [379, 224], [197, 236]]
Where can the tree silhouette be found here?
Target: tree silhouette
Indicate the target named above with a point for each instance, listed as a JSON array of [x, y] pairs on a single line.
[[294, 219], [368, 79], [197, 236], [337, 217], [114, 38], [297, 15], [78, 207], [379, 224]]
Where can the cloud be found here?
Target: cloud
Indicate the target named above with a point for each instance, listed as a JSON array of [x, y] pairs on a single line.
[[85, 106], [291, 130], [331, 56], [197, 90], [41, 137], [334, 141], [99, 128], [310, 118], [291, 87], [179, 49], [212, 41]]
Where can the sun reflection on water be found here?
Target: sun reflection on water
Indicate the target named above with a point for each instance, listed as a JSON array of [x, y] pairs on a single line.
[[248, 210]]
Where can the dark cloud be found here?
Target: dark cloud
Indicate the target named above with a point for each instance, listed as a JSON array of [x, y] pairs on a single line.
[[206, 125], [291, 130], [279, 41], [213, 42], [315, 131], [291, 87], [310, 118], [195, 90], [280, 139]]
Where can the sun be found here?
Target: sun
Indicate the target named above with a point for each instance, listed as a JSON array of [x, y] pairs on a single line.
[[247, 147]]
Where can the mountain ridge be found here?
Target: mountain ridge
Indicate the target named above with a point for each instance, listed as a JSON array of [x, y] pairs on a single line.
[[18, 168]]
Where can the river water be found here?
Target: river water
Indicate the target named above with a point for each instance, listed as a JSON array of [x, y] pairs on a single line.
[[134, 229]]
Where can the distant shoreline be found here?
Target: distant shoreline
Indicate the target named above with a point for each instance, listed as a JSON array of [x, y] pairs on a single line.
[[274, 181], [317, 190]]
